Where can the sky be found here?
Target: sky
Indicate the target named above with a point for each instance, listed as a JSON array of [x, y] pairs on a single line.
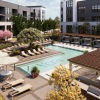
[[52, 6]]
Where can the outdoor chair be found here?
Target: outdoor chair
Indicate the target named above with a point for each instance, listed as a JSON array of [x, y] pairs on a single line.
[[24, 54], [4, 50], [10, 84], [45, 50], [19, 90], [19, 45], [36, 52], [31, 53], [41, 51]]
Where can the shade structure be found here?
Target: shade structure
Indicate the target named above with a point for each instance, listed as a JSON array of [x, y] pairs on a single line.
[[2, 54], [8, 60]]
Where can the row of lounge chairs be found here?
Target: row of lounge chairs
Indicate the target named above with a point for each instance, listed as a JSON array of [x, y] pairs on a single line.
[[16, 91], [33, 52]]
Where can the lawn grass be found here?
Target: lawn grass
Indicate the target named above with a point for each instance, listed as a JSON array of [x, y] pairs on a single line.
[[1, 97]]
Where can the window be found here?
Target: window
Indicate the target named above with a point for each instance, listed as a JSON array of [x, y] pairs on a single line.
[[95, 8], [62, 28], [69, 3], [98, 6], [69, 19], [61, 17], [94, 18], [81, 19], [82, 9], [69, 12], [69, 28], [61, 4]]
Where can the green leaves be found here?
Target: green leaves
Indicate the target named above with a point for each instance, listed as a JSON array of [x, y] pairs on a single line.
[[19, 23], [29, 35]]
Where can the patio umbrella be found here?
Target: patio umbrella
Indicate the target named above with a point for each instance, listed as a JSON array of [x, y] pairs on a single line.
[[2, 54], [8, 60]]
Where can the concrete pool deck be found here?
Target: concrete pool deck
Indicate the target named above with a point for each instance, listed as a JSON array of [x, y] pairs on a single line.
[[39, 84]]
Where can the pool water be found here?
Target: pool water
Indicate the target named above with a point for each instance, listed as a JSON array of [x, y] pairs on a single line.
[[51, 62]]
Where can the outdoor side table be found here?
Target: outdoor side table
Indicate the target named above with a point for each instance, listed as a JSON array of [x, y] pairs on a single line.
[[5, 74]]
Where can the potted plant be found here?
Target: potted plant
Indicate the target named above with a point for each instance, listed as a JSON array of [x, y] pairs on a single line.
[[34, 72]]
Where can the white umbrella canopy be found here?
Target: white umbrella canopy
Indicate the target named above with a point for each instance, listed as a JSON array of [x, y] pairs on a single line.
[[8, 60], [3, 54]]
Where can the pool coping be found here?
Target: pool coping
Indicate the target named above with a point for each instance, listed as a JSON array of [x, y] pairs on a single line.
[[37, 59]]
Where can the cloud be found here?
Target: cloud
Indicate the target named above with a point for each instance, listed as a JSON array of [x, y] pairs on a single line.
[[52, 6]]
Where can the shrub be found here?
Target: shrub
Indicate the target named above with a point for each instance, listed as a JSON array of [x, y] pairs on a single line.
[[15, 52], [35, 70], [86, 51], [5, 45]]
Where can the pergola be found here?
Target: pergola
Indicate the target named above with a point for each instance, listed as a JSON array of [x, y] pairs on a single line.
[[86, 41], [66, 39], [75, 40], [96, 43]]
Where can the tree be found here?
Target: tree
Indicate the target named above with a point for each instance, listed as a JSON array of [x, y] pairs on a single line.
[[98, 29], [19, 23], [56, 34], [57, 20], [64, 90], [29, 35], [85, 28]]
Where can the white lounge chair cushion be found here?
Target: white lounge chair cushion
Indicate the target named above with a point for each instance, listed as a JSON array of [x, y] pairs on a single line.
[[15, 82], [23, 88]]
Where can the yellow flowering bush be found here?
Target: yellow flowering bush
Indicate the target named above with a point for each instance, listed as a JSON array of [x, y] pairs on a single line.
[[66, 87], [1, 97]]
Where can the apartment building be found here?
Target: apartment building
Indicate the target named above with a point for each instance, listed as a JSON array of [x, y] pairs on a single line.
[[39, 12], [76, 12], [28, 12]]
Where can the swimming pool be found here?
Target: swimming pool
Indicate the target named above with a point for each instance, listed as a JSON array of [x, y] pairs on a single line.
[[51, 62]]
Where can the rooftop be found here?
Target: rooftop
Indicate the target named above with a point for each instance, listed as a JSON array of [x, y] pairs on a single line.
[[36, 6], [90, 60]]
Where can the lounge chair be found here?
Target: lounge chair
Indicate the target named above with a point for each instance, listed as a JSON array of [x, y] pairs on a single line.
[[94, 91], [19, 45], [4, 50], [31, 53], [41, 51], [45, 49], [24, 54], [36, 52], [9, 84], [19, 90]]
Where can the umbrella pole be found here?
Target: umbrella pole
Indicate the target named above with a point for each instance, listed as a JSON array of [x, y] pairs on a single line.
[[6, 68], [14, 67]]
